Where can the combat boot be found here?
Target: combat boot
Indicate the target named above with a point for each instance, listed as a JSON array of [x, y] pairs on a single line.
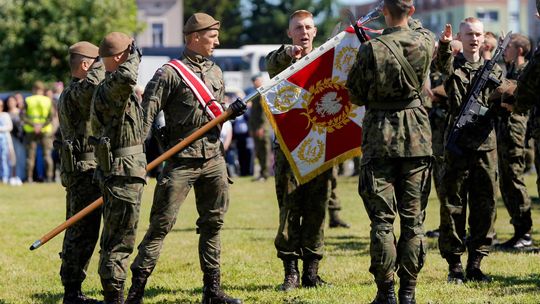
[[111, 294], [473, 269], [455, 270], [385, 293], [521, 240], [406, 292], [212, 293], [336, 221], [292, 276], [136, 291], [74, 295], [310, 276]]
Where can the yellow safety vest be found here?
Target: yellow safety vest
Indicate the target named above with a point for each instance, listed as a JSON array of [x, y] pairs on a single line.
[[38, 108]]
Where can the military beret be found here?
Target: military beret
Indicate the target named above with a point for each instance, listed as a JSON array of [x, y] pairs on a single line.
[[114, 43], [84, 48], [200, 21]]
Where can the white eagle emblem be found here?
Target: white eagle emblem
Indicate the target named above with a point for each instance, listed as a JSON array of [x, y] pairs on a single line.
[[329, 104]]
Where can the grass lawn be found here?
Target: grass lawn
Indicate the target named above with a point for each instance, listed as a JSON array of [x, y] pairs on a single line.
[[251, 270]]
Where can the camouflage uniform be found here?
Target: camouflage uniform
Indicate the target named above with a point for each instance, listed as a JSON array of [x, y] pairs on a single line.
[[511, 129], [258, 120], [396, 145], [201, 165], [477, 166], [117, 115], [302, 208], [74, 117]]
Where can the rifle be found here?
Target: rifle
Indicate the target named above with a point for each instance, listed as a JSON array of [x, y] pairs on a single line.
[[472, 112]]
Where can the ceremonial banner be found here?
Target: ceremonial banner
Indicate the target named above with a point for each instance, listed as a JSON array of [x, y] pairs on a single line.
[[309, 108]]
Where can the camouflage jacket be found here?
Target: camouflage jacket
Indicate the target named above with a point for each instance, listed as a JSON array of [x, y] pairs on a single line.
[[116, 114], [74, 112], [257, 118], [183, 112], [378, 80], [460, 77]]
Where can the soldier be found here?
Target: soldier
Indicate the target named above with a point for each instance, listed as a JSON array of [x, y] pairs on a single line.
[[302, 208], [77, 167], [388, 77], [201, 164], [511, 130], [37, 118], [478, 163], [334, 203], [117, 121], [260, 131]]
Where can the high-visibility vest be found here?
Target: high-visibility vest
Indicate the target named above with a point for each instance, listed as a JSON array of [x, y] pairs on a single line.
[[38, 108]]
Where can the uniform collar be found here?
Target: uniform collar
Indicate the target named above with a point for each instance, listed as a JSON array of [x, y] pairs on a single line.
[[194, 57], [393, 29]]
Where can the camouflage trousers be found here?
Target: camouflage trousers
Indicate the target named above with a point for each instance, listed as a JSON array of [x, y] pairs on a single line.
[[334, 204], [469, 179], [511, 156], [122, 201], [438, 166], [391, 187], [302, 210], [31, 141], [81, 238], [209, 178], [263, 154]]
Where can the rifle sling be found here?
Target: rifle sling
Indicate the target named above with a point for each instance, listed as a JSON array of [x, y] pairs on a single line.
[[407, 68]]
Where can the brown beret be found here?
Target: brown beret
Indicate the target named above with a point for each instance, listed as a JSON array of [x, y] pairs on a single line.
[[114, 43], [84, 48], [199, 22]]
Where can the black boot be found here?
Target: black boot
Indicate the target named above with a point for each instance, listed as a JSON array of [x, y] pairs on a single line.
[[336, 221], [385, 293], [473, 269], [136, 291], [74, 295], [455, 270], [521, 240], [310, 276], [212, 293], [406, 292], [292, 276], [113, 292]]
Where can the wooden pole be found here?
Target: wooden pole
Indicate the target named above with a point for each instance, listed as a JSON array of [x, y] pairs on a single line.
[[156, 162]]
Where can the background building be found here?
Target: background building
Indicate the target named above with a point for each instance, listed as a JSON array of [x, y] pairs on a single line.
[[497, 15], [164, 23]]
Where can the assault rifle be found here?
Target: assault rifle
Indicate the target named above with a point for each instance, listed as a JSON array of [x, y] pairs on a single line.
[[473, 113]]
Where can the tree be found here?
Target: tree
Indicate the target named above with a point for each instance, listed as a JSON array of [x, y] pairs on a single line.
[[36, 34], [226, 11], [269, 20]]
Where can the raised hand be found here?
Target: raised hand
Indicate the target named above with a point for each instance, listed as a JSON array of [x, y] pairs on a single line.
[[294, 51], [446, 35]]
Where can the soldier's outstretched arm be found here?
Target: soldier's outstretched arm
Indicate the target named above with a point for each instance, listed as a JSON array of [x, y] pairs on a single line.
[[278, 60], [362, 75], [445, 59], [82, 92]]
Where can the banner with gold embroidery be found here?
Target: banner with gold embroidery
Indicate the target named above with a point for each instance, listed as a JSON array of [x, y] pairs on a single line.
[[309, 108]]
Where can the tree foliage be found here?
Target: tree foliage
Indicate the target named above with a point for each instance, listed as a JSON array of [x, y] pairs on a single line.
[[226, 11], [36, 34], [269, 19]]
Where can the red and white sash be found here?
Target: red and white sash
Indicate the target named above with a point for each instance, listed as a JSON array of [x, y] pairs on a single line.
[[212, 108]]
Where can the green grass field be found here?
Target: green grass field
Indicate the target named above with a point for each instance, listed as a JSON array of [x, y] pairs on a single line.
[[251, 270]]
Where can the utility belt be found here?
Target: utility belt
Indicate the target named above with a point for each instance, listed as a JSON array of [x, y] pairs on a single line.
[[399, 105], [105, 156], [69, 156]]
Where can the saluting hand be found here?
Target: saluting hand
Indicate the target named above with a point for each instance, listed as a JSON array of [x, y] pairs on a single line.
[[446, 35], [294, 51]]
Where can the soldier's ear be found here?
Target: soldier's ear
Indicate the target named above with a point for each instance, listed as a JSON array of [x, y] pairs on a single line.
[[411, 11], [315, 32], [289, 33]]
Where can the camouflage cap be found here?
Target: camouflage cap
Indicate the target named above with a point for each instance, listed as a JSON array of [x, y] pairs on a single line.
[[114, 43], [85, 49], [199, 22]]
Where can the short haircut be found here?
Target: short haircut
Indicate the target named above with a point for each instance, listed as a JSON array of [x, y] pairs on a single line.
[[38, 86], [398, 9], [521, 41], [300, 13], [469, 20], [76, 59]]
